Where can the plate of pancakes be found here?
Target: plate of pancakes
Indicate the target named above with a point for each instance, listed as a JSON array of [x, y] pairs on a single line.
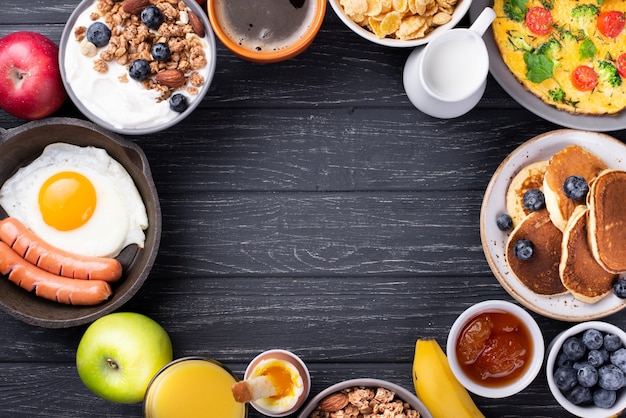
[[578, 245], [548, 111]]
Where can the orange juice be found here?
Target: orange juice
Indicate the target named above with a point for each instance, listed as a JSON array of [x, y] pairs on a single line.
[[193, 388]]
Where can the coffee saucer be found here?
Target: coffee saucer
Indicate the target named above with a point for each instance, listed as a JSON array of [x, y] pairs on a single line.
[[428, 104]]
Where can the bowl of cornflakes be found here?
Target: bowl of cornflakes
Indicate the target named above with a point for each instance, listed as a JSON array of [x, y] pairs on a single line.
[[400, 23], [80, 221]]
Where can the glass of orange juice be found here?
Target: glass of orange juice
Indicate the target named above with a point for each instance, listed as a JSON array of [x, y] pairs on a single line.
[[193, 387]]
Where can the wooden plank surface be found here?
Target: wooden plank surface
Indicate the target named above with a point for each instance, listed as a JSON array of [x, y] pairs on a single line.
[[306, 206]]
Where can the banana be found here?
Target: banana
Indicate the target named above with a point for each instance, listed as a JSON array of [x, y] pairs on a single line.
[[437, 387]]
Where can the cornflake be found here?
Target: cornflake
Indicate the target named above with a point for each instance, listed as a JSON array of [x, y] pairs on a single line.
[[399, 19]]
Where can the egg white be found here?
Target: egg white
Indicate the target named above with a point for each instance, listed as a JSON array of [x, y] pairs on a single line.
[[118, 220]]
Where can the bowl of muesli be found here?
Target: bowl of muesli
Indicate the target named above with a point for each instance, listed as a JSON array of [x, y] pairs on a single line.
[[137, 66], [359, 397]]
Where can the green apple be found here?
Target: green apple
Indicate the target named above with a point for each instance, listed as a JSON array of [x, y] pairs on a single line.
[[120, 353]]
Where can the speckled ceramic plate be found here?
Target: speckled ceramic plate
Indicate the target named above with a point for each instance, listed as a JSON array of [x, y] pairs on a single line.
[[542, 147]]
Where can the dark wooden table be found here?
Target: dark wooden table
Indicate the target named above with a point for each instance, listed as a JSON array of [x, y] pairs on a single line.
[[307, 205]]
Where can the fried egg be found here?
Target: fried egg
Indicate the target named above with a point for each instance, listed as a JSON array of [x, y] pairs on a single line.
[[78, 199]]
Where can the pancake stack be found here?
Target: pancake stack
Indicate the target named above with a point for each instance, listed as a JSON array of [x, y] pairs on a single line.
[[579, 246]]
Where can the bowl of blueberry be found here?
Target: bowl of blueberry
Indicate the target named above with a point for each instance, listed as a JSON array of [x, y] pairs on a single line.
[[137, 67], [586, 369]]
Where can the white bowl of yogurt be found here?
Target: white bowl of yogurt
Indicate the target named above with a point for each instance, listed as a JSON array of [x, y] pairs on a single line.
[[105, 79]]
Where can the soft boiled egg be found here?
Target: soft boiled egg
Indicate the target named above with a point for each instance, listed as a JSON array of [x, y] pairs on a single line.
[[78, 199], [286, 380]]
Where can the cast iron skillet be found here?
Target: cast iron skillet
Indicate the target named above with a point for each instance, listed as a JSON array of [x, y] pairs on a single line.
[[21, 145]]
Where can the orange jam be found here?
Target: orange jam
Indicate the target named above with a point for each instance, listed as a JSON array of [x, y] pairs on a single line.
[[494, 348]]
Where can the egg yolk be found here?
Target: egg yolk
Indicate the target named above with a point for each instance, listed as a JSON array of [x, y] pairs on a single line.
[[67, 200], [281, 378]]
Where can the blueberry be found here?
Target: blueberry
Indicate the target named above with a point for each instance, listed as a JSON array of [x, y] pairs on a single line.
[[574, 348], [562, 360], [565, 378], [593, 339], [603, 398], [152, 17], [612, 342], [610, 377], [575, 188], [580, 395], [98, 34], [619, 288], [178, 103], [523, 249], [597, 358], [534, 200], [587, 376], [160, 51], [504, 222], [618, 357], [139, 70], [579, 365]]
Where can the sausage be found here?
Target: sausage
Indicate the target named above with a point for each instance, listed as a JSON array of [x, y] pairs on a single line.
[[55, 260], [48, 285]]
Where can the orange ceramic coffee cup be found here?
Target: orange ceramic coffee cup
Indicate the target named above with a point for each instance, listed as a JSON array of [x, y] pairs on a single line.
[[253, 31]]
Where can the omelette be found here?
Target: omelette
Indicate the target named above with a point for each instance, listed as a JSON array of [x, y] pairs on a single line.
[[571, 54]]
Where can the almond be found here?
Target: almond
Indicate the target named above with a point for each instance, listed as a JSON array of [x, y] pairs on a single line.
[[196, 24], [171, 78], [334, 402], [135, 7]]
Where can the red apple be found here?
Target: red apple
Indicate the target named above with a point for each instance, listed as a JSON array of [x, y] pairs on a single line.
[[30, 80]]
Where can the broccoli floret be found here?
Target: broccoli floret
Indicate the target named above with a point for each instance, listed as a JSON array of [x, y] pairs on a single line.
[[607, 72], [583, 13], [517, 40], [550, 49], [515, 10], [557, 94]]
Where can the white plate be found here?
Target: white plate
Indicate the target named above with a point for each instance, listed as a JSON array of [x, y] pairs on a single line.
[[517, 91], [542, 147]]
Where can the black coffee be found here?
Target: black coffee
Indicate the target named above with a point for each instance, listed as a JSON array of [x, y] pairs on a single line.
[[265, 25]]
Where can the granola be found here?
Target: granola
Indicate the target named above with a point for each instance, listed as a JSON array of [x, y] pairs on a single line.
[[132, 40], [368, 403]]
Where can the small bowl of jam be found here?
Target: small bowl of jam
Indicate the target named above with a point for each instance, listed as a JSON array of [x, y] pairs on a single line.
[[495, 349]]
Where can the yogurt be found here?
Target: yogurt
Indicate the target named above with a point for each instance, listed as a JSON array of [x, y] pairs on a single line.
[[113, 96]]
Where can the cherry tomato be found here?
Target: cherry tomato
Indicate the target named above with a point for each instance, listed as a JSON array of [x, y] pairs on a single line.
[[539, 20], [611, 23], [621, 65], [584, 78]]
